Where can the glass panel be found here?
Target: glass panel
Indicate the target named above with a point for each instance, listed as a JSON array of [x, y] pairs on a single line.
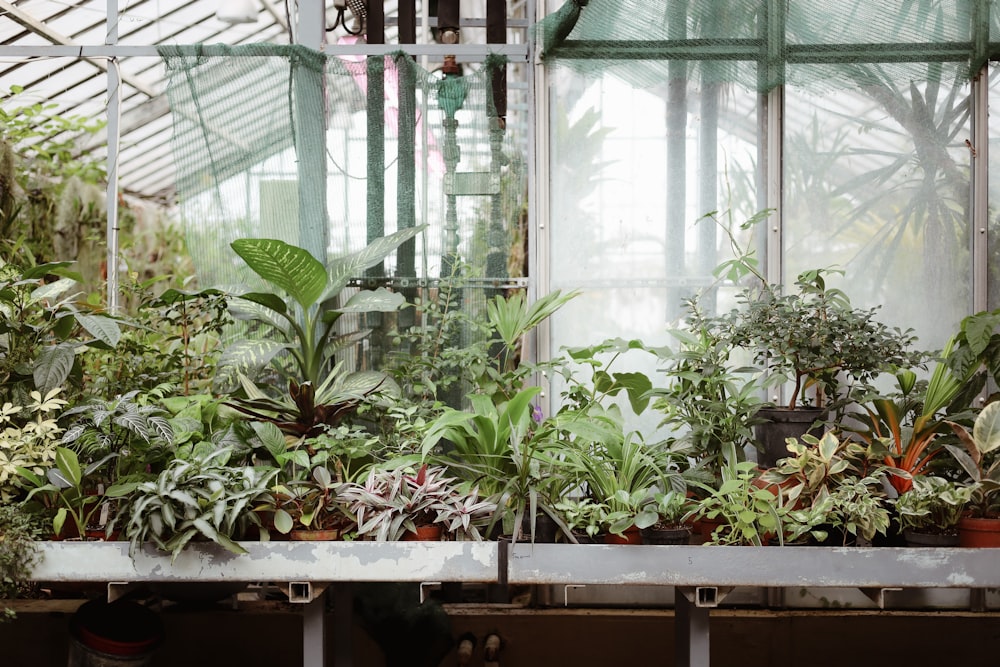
[[877, 184], [632, 172], [993, 192]]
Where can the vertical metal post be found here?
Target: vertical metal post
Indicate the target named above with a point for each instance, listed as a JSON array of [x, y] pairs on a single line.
[[980, 189], [314, 634], [676, 186], [114, 139], [773, 69], [691, 636]]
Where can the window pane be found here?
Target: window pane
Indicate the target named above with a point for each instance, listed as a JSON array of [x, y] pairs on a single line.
[[877, 184], [632, 173]]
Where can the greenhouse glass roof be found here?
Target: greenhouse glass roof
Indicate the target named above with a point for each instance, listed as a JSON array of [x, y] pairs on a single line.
[[58, 52]]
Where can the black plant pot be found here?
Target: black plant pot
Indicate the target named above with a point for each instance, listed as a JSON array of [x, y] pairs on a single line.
[[781, 424], [671, 535]]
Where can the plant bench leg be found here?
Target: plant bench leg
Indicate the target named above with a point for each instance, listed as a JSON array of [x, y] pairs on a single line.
[[691, 638], [313, 632]]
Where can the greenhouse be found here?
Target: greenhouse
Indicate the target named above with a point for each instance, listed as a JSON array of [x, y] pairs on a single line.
[[482, 332]]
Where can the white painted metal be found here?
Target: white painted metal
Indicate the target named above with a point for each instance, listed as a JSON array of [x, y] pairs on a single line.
[[272, 562]]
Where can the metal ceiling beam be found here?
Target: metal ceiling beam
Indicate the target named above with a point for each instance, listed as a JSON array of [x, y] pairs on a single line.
[[34, 25]]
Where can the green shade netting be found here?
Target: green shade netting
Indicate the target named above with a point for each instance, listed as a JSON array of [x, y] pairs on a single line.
[[330, 152], [760, 43]]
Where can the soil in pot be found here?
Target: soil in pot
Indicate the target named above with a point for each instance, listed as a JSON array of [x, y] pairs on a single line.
[[781, 424]]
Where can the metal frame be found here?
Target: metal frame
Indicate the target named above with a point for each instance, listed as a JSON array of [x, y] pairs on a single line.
[[702, 576]]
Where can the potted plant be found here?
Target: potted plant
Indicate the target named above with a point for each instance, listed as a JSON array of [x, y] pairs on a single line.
[[978, 458], [311, 508], [396, 503], [811, 338], [70, 491], [745, 513], [204, 497], [930, 511], [670, 528], [618, 471], [582, 516], [830, 484]]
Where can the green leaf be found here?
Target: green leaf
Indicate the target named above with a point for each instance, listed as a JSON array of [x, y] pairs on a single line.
[[380, 300], [53, 365], [283, 521], [342, 269], [986, 430], [100, 327], [288, 267], [51, 291], [68, 465]]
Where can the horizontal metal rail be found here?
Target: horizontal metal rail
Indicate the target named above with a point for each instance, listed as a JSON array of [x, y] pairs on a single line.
[[271, 562], [685, 566]]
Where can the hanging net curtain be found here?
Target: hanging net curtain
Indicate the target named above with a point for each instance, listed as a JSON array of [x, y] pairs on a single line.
[[278, 141], [846, 43]]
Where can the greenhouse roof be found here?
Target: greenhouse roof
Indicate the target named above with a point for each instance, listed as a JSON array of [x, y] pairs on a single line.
[[59, 51]]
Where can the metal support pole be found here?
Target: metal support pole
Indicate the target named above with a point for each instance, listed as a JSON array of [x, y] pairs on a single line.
[[691, 637], [114, 138], [313, 633]]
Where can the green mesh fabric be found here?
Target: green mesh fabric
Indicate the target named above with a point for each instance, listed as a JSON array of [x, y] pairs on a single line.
[[760, 44], [329, 152]]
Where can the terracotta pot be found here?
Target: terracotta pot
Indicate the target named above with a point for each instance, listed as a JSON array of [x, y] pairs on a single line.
[[978, 532], [117, 629], [302, 535], [630, 535], [428, 533]]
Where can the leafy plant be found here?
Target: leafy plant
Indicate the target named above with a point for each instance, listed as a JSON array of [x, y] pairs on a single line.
[[671, 507], [979, 460], [312, 502], [619, 471], [202, 498], [44, 328], [933, 505], [393, 502], [71, 490], [812, 337], [710, 403], [125, 424], [28, 443], [19, 532], [582, 515], [303, 328], [500, 449], [748, 515]]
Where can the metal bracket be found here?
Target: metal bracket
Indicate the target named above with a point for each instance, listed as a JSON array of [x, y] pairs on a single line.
[[302, 592], [566, 589], [119, 589], [704, 596], [877, 595], [428, 585]]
